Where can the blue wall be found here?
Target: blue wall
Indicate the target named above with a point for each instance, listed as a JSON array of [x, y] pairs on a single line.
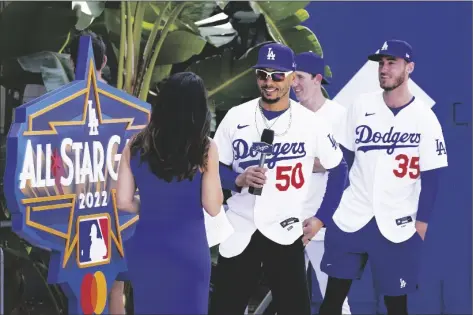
[[441, 36]]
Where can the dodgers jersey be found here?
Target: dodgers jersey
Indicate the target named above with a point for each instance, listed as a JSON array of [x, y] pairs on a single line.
[[277, 212], [335, 114], [390, 152]]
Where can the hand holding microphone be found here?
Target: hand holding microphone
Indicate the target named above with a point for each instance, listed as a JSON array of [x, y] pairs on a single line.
[[254, 176], [265, 147]]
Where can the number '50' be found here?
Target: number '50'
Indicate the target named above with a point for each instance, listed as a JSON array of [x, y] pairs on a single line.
[[288, 176]]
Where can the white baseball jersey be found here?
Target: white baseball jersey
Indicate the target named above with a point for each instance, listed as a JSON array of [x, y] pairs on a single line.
[[335, 114], [277, 212], [390, 152]]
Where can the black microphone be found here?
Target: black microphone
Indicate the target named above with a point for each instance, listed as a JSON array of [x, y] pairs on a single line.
[[265, 147]]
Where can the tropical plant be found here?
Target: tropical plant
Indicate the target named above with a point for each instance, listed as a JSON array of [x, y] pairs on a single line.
[[146, 42], [229, 80]]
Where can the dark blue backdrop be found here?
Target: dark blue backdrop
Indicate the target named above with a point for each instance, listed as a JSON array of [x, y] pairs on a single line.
[[441, 36]]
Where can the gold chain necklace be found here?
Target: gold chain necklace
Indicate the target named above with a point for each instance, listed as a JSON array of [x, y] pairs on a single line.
[[265, 120]]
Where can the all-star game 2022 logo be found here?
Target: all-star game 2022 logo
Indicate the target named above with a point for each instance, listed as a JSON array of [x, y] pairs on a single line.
[[63, 153]]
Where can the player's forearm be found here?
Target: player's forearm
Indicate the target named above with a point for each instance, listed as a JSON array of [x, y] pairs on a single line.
[[228, 177], [428, 193], [337, 178]]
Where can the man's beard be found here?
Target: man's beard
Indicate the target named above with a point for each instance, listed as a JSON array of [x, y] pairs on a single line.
[[399, 80], [272, 101]]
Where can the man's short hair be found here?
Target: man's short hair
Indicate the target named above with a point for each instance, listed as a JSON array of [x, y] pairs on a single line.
[[97, 44]]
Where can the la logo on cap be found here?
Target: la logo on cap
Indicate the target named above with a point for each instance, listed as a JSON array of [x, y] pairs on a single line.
[[385, 46], [271, 55]]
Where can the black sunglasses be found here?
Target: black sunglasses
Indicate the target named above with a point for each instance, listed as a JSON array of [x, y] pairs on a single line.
[[276, 76]]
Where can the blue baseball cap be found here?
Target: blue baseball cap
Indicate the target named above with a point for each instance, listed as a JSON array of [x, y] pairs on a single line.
[[276, 56], [311, 63], [393, 48]]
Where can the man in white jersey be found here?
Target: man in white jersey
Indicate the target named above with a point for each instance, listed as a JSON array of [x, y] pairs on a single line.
[[269, 231], [396, 140], [308, 89]]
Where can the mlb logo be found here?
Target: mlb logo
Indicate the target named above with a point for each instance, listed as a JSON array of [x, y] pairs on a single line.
[[94, 241]]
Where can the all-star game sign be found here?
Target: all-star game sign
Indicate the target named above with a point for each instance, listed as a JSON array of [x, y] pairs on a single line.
[[63, 152]]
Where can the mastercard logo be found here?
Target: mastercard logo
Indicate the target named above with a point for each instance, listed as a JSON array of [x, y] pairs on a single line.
[[93, 293]]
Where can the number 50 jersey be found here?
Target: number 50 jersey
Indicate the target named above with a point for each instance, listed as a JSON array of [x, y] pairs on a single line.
[[391, 151], [277, 212]]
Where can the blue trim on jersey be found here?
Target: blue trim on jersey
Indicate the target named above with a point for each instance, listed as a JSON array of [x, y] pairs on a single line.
[[398, 109], [337, 178], [428, 193], [272, 114], [228, 177], [348, 155]]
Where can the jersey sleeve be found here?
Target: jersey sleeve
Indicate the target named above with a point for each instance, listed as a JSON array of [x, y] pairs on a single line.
[[339, 125], [223, 139], [326, 146], [347, 129], [432, 149]]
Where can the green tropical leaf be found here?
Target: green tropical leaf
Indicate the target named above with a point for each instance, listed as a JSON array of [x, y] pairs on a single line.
[[328, 72], [146, 81], [179, 46], [157, 22], [56, 69], [193, 12], [295, 19], [229, 81], [222, 4], [87, 12], [282, 21], [160, 72], [160, 7], [30, 27], [275, 11], [302, 39], [199, 10], [325, 93]]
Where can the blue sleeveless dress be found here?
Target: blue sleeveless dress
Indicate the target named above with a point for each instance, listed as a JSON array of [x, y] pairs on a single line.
[[168, 257]]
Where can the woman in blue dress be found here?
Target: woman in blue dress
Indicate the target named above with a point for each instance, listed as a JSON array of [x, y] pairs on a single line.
[[174, 164]]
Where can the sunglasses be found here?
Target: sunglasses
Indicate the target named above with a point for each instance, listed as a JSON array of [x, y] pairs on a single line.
[[276, 76]]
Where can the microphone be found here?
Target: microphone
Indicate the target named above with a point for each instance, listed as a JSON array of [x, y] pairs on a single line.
[[265, 147]]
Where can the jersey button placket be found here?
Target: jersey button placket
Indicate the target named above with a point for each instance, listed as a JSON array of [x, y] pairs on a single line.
[[379, 183]]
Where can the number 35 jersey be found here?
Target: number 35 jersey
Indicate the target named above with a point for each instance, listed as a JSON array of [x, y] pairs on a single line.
[[276, 213], [391, 151]]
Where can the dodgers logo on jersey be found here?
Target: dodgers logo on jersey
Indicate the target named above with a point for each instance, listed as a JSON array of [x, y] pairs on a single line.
[[62, 165], [279, 152], [332, 141], [368, 140]]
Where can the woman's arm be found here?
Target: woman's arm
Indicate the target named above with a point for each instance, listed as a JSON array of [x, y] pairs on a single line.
[[212, 195], [126, 200]]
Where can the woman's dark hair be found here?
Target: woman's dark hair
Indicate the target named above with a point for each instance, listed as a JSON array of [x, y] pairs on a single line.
[[175, 143]]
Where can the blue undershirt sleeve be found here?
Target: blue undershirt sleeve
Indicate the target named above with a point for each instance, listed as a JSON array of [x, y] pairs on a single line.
[[348, 155], [337, 178], [428, 193], [228, 177]]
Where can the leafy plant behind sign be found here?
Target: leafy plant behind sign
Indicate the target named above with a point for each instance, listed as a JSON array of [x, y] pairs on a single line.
[[146, 42]]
